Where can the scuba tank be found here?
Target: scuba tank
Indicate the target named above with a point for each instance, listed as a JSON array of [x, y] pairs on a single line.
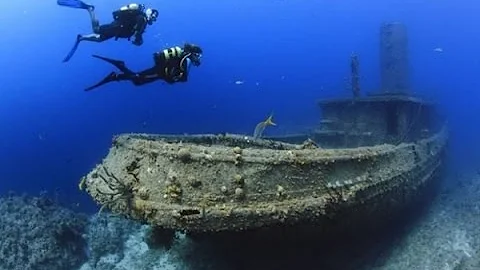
[[128, 11]]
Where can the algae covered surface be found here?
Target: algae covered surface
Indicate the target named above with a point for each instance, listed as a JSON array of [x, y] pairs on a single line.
[[227, 183]]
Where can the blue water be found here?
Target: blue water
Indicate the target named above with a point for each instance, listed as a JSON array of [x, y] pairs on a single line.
[[287, 53]]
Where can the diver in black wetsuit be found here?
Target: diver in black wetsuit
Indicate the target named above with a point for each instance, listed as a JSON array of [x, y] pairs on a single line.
[[171, 65], [129, 21]]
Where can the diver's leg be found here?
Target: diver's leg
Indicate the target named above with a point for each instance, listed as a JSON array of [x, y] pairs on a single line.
[[117, 63], [149, 72], [138, 81], [92, 37], [135, 78], [93, 19], [146, 76], [89, 37], [101, 32]]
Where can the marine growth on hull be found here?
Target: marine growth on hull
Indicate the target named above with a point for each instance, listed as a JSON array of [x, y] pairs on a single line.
[[370, 156]]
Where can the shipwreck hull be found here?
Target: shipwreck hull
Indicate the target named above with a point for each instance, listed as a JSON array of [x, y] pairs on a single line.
[[214, 183]]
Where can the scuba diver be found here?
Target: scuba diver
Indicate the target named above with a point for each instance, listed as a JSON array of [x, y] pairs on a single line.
[[171, 65], [130, 20]]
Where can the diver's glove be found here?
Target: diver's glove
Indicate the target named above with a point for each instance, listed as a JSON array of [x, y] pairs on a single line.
[[138, 41]]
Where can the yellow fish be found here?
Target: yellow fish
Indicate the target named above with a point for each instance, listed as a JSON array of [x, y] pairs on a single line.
[[261, 127]]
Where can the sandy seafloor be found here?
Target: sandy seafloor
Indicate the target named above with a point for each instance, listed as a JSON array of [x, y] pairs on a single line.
[[446, 237]]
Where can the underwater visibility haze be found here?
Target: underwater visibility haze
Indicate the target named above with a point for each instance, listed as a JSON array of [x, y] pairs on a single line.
[[260, 59]]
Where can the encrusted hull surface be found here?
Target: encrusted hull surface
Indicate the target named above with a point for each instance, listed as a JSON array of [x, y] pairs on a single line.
[[214, 183]]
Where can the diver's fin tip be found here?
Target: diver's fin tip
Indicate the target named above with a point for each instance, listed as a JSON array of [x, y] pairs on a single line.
[[75, 4]]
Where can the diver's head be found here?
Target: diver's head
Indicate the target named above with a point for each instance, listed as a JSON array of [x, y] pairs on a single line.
[[195, 53], [152, 15]]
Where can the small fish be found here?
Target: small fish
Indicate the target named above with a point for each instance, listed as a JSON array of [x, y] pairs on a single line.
[[239, 82], [438, 50], [261, 127]]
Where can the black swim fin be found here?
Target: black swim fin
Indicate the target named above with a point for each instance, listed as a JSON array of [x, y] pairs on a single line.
[[117, 63], [110, 78], [74, 4], [73, 50]]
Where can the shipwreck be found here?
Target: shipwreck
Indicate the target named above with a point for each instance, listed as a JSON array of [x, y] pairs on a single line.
[[370, 156]]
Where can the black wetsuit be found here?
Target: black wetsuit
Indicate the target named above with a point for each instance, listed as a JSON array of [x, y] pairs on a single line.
[[171, 65], [126, 24]]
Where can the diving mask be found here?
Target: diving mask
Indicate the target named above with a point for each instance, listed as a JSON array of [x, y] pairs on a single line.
[[152, 15], [195, 58]]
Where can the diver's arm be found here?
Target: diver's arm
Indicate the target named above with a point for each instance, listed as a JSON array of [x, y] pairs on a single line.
[[180, 74], [139, 29], [171, 75], [183, 76], [177, 76]]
